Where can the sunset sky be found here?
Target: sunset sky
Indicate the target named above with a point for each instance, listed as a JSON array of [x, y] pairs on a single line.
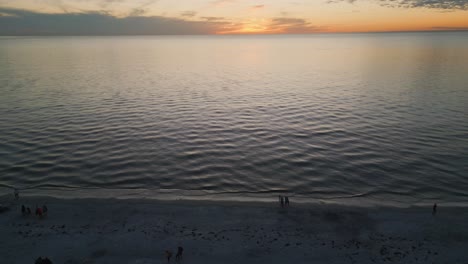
[[147, 17]]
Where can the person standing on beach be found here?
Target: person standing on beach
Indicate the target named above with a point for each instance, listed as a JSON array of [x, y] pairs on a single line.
[[23, 210], [16, 192], [434, 209], [41, 260], [180, 251], [281, 201], [39, 211], [286, 200], [168, 256]]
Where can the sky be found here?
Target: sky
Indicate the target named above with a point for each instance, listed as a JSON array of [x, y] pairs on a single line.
[[155, 17]]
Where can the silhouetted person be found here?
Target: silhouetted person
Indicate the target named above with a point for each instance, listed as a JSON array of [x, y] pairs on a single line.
[[434, 209], [44, 209], [23, 210], [38, 211], [168, 255], [28, 211], [16, 194], [180, 251], [282, 201], [41, 260], [286, 201]]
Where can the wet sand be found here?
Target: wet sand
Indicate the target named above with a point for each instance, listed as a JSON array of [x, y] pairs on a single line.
[[139, 231]]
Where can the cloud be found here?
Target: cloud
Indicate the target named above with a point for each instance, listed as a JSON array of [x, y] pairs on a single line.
[[58, 4], [211, 18], [2, 14], [188, 14], [257, 6], [141, 9], [106, 3], [278, 25], [433, 4], [222, 2], [137, 12], [441, 4], [69, 6], [288, 21], [288, 25], [450, 28], [21, 22]]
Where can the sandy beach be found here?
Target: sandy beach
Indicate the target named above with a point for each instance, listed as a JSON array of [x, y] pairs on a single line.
[[139, 231]]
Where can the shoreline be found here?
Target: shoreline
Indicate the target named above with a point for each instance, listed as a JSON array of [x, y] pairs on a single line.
[[139, 230], [366, 201]]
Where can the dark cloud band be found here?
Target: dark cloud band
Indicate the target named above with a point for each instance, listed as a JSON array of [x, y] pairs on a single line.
[[21, 22], [435, 4]]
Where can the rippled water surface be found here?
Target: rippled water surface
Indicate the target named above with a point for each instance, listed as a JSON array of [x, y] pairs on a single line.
[[379, 116]]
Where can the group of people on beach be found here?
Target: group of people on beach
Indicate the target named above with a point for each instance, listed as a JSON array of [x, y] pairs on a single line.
[[178, 257], [40, 211], [284, 201], [25, 211]]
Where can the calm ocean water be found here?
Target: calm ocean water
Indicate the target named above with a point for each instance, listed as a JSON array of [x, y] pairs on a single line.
[[373, 116]]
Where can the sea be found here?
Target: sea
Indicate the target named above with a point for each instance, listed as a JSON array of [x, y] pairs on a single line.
[[378, 118]]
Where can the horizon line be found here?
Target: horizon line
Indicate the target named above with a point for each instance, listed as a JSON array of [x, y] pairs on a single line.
[[244, 34]]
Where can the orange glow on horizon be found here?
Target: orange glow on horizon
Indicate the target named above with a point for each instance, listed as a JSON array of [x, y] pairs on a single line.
[[244, 17], [413, 21]]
